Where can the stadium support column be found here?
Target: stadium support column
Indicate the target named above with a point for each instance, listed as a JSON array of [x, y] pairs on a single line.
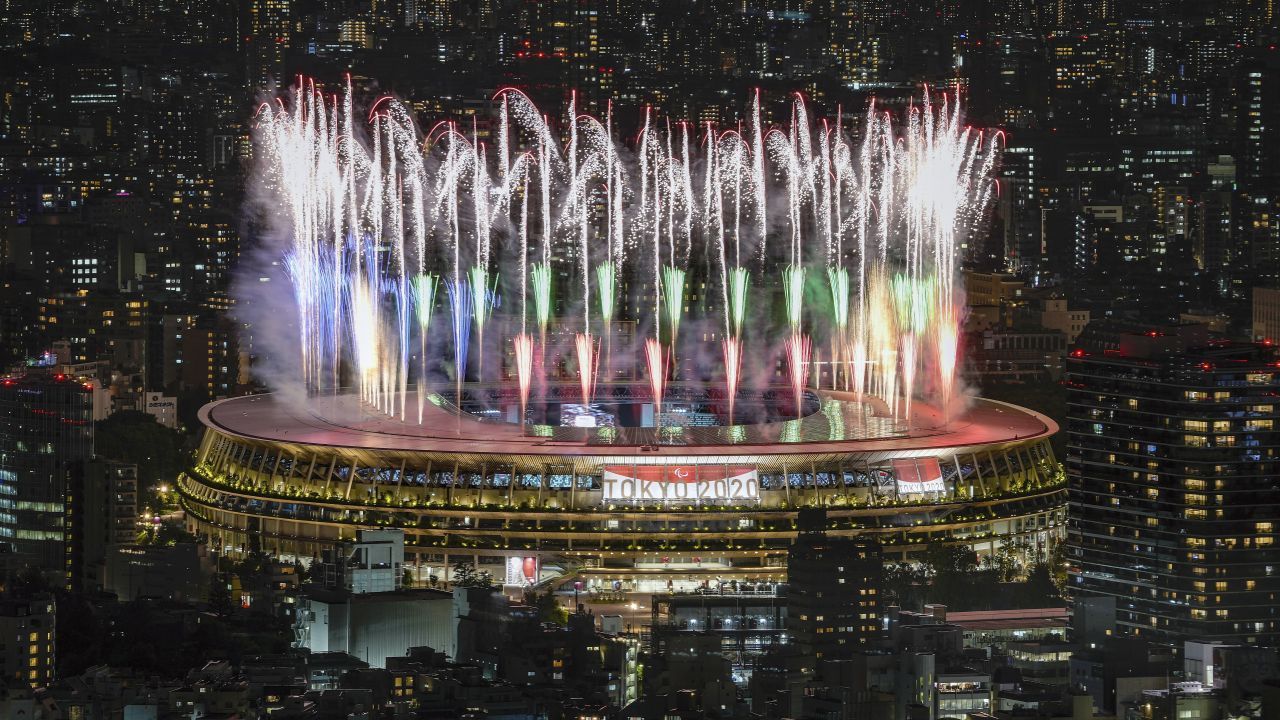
[[262, 464], [786, 483], [1029, 469], [1002, 482], [1008, 464], [275, 469], [351, 478], [426, 481], [311, 469], [453, 480], [328, 477], [205, 443], [977, 470], [955, 486]]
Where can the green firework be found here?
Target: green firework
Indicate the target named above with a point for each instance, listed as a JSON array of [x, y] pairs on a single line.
[[481, 294], [739, 281], [793, 286], [839, 279], [607, 282], [673, 298], [424, 299], [540, 278], [913, 299]]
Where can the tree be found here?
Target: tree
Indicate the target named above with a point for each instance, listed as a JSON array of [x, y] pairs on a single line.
[[1006, 561], [549, 608], [1057, 565], [954, 573], [466, 575], [904, 582], [135, 437]]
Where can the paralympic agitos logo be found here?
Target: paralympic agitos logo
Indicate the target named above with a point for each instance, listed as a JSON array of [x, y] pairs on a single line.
[[667, 483]]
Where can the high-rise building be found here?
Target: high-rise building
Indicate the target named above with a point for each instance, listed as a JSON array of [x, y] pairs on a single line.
[[1266, 314], [267, 42], [833, 585], [1258, 120], [1171, 458], [46, 431], [102, 515]]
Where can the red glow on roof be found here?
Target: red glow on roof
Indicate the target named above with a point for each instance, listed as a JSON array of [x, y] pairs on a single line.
[[1077, 353]]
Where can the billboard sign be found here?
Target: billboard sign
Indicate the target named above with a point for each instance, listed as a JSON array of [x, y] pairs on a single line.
[[521, 571], [921, 475], [680, 483]]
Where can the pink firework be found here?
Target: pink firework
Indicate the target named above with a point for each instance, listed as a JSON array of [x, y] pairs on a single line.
[[524, 368], [657, 362], [732, 370], [908, 373], [586, 348], [799, 348], [948, 352]]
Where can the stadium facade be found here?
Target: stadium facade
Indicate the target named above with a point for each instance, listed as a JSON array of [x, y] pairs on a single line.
[[628, 507]]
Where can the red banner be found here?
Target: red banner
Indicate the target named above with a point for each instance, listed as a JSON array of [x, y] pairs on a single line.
[[677, 473]]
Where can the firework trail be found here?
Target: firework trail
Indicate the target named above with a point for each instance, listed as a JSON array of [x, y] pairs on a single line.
[[380, 214]]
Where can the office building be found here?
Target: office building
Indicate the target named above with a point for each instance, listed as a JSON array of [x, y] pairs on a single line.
[[46, 432], [102, 516], [833, 604], [1171, 462]]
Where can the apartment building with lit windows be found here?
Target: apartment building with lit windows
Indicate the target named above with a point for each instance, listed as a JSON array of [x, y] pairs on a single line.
[[28, 639], [833, 602], [1172, 465]]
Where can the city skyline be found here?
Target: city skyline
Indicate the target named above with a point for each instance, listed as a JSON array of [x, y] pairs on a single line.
[[643, 428]]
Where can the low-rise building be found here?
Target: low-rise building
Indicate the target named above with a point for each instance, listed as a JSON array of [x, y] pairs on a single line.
[[28, 639]]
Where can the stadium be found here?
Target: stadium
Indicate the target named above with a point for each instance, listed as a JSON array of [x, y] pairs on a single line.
[[619, 499]]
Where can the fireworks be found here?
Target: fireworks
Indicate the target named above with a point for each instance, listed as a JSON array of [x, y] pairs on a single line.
[[673, 299], [606, 287], [379, 214], [793, 291], [585, 346], [656, 361], [732, 370], [523, 345], [540, 278], [798, 349], [738, 281]]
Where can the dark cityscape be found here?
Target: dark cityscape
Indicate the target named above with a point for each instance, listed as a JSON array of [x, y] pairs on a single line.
[[600, 360]]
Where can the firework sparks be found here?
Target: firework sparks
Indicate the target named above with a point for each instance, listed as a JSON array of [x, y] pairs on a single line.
[[585, 346], [798, 349], [655, 359], [732, 370], [378, 214], [523, 346]]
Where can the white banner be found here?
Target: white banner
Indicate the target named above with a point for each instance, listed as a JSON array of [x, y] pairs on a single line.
[[681, 483]]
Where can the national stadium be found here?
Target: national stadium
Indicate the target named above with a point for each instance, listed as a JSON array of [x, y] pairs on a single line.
[[563, 351], [631, 505]]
